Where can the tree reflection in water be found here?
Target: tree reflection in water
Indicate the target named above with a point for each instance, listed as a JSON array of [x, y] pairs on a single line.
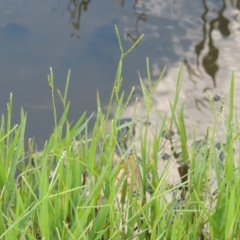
[[209, 60], [207, 53], [75, 8]]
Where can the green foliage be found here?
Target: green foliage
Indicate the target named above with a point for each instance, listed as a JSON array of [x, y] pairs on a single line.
[[97, 188]]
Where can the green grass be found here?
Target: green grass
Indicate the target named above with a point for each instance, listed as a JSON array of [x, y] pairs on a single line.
[[79, 188]]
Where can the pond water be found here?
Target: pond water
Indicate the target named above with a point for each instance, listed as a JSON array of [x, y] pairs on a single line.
[[202, 36]]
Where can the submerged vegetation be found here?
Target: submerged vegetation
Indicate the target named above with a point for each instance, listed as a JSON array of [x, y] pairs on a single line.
[[105, 187]]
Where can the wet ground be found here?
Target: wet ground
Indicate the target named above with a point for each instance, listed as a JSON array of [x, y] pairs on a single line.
[[202, 36]]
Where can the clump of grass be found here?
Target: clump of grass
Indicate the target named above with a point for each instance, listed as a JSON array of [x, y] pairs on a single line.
[[103, 188]]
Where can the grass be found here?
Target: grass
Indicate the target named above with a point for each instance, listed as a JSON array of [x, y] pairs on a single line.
[[104, 188]]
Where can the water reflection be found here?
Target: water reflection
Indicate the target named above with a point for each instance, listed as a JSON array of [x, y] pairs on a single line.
[[140, 17], [199, 34], [209, 59], [75, 9], [215, 18], [121, 3]]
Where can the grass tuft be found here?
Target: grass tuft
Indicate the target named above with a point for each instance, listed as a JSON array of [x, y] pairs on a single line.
[[116, 184]]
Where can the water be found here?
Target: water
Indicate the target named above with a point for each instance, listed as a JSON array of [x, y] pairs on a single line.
[[201, 36]]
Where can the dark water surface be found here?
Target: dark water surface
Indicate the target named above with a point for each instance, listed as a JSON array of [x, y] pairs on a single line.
[[203, 36]]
